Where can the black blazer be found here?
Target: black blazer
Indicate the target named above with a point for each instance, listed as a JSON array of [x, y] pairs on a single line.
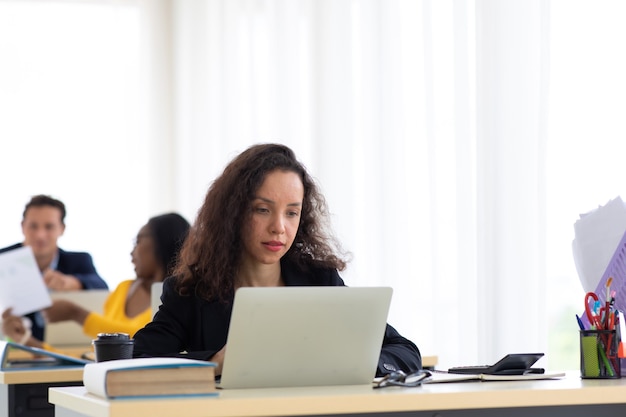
[[200, 327]]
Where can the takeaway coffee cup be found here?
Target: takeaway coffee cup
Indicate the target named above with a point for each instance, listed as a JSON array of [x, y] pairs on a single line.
[[112, 346]]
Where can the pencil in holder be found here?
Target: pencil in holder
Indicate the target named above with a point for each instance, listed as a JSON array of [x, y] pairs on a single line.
[[598, 354]]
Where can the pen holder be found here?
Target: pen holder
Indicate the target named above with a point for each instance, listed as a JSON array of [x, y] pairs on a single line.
[[598, 354]]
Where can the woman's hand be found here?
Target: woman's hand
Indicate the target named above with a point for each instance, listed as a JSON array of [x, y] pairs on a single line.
[[218, 358], [13, 326], [63, 310]]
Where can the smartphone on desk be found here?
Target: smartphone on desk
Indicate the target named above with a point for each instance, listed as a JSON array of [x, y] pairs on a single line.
[[511, 364]]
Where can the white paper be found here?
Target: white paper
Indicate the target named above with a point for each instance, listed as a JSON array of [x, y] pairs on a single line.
[[597, 235], [21, 284], [442, 376]]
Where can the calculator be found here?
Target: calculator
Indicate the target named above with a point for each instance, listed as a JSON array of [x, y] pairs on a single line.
[[511, 364]]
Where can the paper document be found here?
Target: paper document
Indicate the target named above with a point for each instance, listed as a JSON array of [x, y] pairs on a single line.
[[442, 376], [597, 235], [21, 284]]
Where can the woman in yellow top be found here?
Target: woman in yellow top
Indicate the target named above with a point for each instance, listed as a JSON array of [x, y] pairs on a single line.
[[127, 308]]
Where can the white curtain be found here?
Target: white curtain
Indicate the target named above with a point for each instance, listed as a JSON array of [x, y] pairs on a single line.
[[424, 124], [423, 121]]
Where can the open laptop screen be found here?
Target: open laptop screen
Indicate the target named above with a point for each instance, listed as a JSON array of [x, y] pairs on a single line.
[[305, 336], [70, 333]]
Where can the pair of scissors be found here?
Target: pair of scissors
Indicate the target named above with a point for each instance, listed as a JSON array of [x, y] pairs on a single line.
[[593, 316]]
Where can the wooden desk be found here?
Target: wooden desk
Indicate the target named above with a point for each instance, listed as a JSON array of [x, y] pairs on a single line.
[[571, 396], [24, 393]]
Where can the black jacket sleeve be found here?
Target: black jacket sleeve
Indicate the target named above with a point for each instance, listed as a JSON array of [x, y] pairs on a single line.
[[80, 265], [398, 354], [185, 326]]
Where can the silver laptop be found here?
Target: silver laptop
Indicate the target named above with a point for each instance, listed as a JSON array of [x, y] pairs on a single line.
[[70, 333], [305, 336], [155, 296]]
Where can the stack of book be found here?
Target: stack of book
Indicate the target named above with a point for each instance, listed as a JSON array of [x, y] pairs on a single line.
[[149, 377]]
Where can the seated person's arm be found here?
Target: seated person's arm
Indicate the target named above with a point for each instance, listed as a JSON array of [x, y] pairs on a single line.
[[96, 323], [174, 330], [91, 281], [13, 327], [59, 281], [398, 354], [79, 265], [64, 310]]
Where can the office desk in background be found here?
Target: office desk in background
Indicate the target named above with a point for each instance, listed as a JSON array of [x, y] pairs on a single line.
[[571, 397], [24, 393], [429, 362]]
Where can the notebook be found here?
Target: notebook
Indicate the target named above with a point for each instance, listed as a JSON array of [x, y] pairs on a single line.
[[305, 336], [41, 359], [70, 333]]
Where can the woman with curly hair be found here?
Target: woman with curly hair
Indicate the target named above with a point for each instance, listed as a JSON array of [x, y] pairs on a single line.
[[263, 223]]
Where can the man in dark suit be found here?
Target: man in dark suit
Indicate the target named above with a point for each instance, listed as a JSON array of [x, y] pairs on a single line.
[[43, 223]]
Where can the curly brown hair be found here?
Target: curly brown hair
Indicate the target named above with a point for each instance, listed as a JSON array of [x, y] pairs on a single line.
[[212, 251]]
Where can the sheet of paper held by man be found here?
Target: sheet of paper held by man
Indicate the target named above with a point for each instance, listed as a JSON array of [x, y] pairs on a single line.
[[21, 284]]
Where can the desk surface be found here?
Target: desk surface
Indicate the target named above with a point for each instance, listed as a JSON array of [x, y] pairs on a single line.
[[354, 399], [36, 376], [76, 373], [429, 361]]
